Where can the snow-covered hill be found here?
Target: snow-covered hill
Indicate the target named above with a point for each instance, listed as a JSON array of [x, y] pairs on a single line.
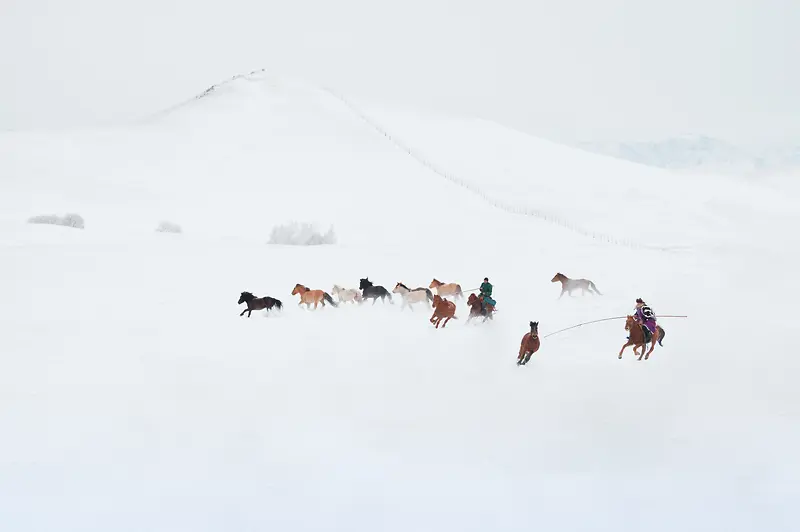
[[134, 397], [701, 153]]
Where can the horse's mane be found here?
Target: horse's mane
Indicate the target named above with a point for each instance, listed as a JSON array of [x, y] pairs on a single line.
[[404, 286]]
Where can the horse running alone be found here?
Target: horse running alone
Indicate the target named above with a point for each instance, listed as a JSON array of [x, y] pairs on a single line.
[[636, 338], [312, 296], [370, 291], [258, 303], [346, 294], [447, 289], [409, 296], [476, 309], [529, 345], [568, 285], [442, 309]]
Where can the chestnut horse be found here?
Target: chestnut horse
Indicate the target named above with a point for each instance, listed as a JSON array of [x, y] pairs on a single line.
[[312, 296], [447, 289], [636, 338], [442, 308], [568, 285], [529, 345], [475, 309]]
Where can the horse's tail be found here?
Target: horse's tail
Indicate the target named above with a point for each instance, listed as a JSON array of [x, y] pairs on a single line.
[[591, 284], [278, 304], [429, 294], [459, 293], [389, 295], [329, 299], [661, 335]]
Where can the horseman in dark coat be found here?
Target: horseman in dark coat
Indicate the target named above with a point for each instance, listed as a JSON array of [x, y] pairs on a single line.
[[487, 303]]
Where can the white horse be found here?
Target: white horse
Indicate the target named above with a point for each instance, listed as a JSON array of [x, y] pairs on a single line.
[[409, 297], [568, 285], [346, 294]]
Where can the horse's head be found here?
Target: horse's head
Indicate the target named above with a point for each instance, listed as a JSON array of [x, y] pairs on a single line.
[[437, 300], [472, 299], [629, 323], [534, 329], [434, 283], [398, 288], [557, 277], [364, 283], [299, 289], [246, 296]]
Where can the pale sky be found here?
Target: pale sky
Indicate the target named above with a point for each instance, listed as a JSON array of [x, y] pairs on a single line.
[[591, 70]]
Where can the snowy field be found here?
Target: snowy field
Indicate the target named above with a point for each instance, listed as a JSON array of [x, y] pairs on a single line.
[[133, 397]]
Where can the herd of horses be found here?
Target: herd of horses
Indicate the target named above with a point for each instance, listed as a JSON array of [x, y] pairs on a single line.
[[443, 309]]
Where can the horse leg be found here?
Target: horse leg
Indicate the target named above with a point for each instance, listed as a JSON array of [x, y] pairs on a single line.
[[445, 321], [652, 346], [563, 289], [249, 311], [242, 314], [623, 348]]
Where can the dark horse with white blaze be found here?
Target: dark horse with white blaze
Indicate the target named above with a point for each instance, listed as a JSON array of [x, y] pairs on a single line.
[[370, 291], [258, 303]]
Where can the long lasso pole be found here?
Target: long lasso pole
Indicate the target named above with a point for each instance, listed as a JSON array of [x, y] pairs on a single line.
[[607, 319]]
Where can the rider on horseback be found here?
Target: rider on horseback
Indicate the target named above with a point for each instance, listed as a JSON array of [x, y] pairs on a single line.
[[646, 317], [487, 303]]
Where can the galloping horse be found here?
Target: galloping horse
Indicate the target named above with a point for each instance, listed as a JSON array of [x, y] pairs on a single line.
[[636, 338], [257, 303], [346, 294], [447, 289], [529, 345], [442, 308], [476, 309], [312, 296], [568, 285], [409, 297], [370, 291]]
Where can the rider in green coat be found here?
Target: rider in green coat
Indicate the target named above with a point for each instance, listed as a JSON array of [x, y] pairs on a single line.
[[486, 295]]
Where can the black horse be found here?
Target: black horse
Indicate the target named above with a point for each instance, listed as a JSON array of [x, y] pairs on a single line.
[[370, 291], [258, 303]]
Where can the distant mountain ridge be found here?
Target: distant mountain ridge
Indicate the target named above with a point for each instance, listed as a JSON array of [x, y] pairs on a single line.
[[699, 152]]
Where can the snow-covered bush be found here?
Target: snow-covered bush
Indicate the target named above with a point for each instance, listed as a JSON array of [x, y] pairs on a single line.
[[169, 227], [301, 234], [68, 220]]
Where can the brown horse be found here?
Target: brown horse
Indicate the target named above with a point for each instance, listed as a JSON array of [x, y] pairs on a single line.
[[529, 345], [442, 308], [447, 289], [568, 285], [312, 296], [475, 309], [258, 303], [636, 338]]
